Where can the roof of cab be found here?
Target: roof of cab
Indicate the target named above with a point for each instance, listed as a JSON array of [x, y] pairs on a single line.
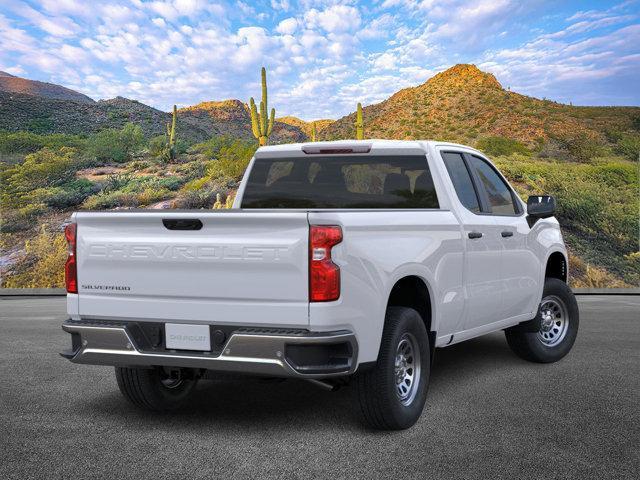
[[374, 143]]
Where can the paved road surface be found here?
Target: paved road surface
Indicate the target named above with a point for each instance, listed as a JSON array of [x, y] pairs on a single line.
[[489, 414]]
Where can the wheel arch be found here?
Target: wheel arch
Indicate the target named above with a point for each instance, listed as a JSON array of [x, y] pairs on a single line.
[[413, 291], [557, 266]]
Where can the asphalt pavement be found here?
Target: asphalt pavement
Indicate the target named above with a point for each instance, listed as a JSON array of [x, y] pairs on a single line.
[[488, 414]]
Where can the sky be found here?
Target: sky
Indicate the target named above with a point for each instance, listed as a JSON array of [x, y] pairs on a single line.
[[322, 57]]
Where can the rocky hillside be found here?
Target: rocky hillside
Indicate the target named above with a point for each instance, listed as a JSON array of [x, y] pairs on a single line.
[[46, 115], [232, 118], [12, 84], [463, 104], [46, 108], [306, 126]]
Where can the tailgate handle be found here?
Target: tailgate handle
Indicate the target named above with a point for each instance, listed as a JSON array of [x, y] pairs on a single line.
[[182, 223]]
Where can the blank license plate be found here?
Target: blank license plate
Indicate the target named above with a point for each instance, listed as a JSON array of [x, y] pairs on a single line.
[[179, 336]]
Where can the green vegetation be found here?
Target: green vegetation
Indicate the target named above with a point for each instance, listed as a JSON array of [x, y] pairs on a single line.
[[116, 145], [581, 146], [45, 169], [598, 206], [260, 125], [587, 157], [46, 254], [359, 124], [27, 142], [496, 146], [629, 146]]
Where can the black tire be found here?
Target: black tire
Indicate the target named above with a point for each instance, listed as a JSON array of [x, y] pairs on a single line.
[[538, 346], [378, 394], [151, 389]]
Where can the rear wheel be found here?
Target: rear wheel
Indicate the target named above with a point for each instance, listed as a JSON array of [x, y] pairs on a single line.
[[392, 394], [556, 326], [155, 389]]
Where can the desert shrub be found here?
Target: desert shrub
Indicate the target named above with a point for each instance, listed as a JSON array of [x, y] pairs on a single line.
[[40, 125], [116, 182], [157, 145], [152, 195], [581, 146], [497, 146], [28, 142], [116, 145], [233, 155], [584, 275], [43, 265], [43, 169], [24, 218], [629, 146], [171, 183], [204, 198], [106, 201], [68, 195]]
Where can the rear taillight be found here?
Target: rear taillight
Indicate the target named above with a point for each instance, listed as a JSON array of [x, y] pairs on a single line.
[[324, 275], [70, 268]]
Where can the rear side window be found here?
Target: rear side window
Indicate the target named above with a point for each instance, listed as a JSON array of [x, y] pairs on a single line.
[[461, 180], [498, 192], [341, 182]]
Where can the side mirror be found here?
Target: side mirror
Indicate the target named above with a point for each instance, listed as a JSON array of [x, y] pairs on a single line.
[[541, 206]]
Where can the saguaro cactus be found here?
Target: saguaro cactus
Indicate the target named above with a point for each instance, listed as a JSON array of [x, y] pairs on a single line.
[[171, 135], [314, 133], [260, 124], [359, 124]]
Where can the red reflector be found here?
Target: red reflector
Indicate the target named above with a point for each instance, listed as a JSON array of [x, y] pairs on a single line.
[[70, 267], [324, 275]]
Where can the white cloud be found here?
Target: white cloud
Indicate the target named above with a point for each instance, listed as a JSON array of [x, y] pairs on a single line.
[[338, 18], [280, 5], [379, 27], [287, 26], [386, 61], [56, 26], [322, 56]]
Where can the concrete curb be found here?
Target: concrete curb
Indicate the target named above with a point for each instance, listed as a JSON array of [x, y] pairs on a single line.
[[31, 292], [46, 292], [606, 291]]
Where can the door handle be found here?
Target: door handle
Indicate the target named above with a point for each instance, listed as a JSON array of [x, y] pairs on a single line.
[[506, 234], [473, 235], [182, 223]]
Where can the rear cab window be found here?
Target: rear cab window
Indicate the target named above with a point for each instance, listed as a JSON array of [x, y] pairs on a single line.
[[335, 181]]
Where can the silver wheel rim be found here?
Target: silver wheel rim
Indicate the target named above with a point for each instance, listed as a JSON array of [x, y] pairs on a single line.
[[407, 368], [555, 321]]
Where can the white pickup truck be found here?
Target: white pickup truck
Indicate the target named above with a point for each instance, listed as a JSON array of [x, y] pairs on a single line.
[[339, 262]]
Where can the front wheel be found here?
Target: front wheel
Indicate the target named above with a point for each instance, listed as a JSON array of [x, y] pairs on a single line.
[[557, 326], [155, 389], [392, 394]]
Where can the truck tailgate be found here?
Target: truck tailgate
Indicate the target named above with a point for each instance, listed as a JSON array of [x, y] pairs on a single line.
[[238, 268]]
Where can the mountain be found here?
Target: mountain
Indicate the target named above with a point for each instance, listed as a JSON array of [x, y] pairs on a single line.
[[232, 118], [16, 85], [463, 104], [306, 126], [51, 110]]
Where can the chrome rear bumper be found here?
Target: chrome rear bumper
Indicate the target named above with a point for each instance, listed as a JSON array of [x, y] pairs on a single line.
[[246, 351]]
